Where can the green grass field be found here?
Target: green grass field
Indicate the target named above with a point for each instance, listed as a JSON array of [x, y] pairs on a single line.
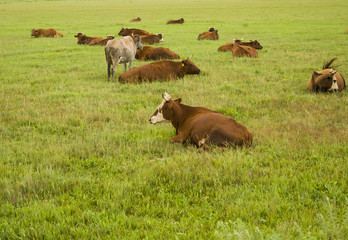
[[79, 159]]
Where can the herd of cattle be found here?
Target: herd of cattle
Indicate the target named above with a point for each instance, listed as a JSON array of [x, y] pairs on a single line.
[[200, 126]]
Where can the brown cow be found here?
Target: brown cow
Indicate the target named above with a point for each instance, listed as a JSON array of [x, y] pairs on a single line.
[[200, 126], [179, 21], [134, 31], [326, 80], [244, 51], [138, 19], [51, 32], [212, 34], [83, 39], [161, 70], [155, 53], [151, 39], [103, 42], [228, 46]]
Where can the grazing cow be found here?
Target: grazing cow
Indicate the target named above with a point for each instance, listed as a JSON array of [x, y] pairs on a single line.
[[179, 21], [151, 39], [200, 126], [51, 32], [155, 53], [212, 34], [138, 19], [244, 51], [161, 70], [83, 39], [228, 46], [121, 50], [129, 31], [103, 42], [326, 80]]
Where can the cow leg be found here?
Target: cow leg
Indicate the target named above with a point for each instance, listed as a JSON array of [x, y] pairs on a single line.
[[177, 138], [125, 67], [130, 64], [113, 72]]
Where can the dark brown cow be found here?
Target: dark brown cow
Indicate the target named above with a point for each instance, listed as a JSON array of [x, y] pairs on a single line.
[[326, 80], [83, 39], [161, 70], [155, 53], [212, 34], [244, 51], [134, 31], [51, 32], [179, 21], [151, 39], [200, 126], [228, 46], [103, 42], [138, 19]]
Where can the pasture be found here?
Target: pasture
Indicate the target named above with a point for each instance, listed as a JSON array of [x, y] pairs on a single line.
[[80, 160]]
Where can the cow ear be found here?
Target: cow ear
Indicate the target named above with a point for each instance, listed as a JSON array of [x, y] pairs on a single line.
[[316, 73], [178, 100]]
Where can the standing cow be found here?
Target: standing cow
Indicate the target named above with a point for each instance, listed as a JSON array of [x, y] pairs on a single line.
[[121, 50]]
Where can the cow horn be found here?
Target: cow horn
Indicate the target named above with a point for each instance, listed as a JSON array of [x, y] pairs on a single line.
[[334, 72], [190, 57]]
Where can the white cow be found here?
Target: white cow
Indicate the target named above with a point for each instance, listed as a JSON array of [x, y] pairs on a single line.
[[121, 50]]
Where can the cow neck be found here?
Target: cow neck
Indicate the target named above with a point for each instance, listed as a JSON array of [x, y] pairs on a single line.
[[183, 113]]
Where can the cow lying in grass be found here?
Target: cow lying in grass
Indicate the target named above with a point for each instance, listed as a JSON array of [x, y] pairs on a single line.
[[179, 21], [129, 31], [244, 51], [101, 42], [51, 32], [228, 46], [138, 19], [200, 126], [155, 53], [161, 70], [83, 39], [212, 34], [326, 80]]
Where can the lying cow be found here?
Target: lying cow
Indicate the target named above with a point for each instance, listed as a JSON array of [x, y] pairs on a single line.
[[121, 50], [155, 53], [179, 21], [200, 126], [212, 34], [326, 80], [102, 42], [161, 70], [83, 39], [134, 31], [151, 39], [244, 51], [228, 46], [138, 19], [51, 32]]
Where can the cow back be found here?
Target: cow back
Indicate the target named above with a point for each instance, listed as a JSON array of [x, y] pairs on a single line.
[[244, 51]]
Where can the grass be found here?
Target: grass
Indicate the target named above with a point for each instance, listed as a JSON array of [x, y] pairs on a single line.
[[79, 159]]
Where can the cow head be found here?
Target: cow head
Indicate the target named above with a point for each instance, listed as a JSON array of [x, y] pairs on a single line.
[[137, 41], [78, 35], [255, 44], [124, 32], [33, 32], [211, 29], [324, 81], [181, 20], [160, 35], [164, 112], [189, 66]]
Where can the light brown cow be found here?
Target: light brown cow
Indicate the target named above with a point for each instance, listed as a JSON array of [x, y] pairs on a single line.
[[134, 31], [83, 39], [161, 70], [179, 21], [138, 19], [200, 126], [212, 34], [229, 45], [244, 51], [151, 39], [102, 42], [326, 80], [50, 32], [155, 53]]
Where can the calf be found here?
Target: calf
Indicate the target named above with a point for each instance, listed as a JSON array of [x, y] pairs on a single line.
[[83, 39], [244, 51], [134, 31], [212, 34], [228, 46], [200, 126], [121, 50], [103, 42], [161, 70], [155, 53], [179, 21], [138, 19], [151, 39], [50, 32], [326, 80]]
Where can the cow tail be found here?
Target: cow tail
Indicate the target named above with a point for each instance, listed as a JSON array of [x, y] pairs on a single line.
[[344, 81]]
